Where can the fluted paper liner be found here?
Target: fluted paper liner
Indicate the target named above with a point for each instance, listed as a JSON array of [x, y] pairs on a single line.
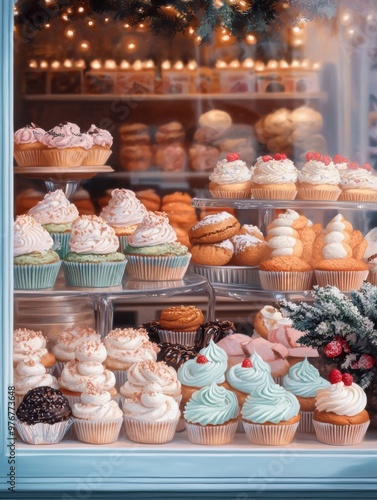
[[317, 194], [42, 433], [59, 365], [366, 197], [97, 431], [62, 240], [211, 434], [287, 281], [306, 422], [122, 243], [157, 268], [229, 274], [64, 157], [372, 277], [272, 194], [120, 377], [344, 280], [234, 195], [153, 432], [91, 275], [30, 157], [340, 434], [96, 157], [278, 380], [184, 338], [35, 277], [270, 435]]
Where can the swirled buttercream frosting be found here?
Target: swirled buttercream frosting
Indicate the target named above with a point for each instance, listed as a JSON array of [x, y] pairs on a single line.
[[30, 236], [316, 172], [341, 399], [247, 379], [64, 349], [29, 134], [130, 345], [54, 209], [155, 229], [91, 235], [100, 136], [304, 380], [30, 373], [28, 343], [230, 172], [123, 209], [96, 404], [274, 172]]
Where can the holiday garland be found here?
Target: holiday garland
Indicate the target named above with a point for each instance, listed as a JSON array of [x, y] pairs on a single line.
[[167, 17], [343, 329]]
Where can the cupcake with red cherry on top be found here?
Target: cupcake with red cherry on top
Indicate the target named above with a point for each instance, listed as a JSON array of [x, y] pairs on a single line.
[[340, 162], [318, 179], [358, 183], [340, 417], [231, 178], [274, 177]]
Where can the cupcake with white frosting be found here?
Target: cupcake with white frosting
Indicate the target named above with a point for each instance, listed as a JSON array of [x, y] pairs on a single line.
[[126, 346], [151, 417], [31, 343], [97, 418], [30, 373], [358, 183], [28, 146], [318, 179], [56, 214], [153, 252], [274, 178], [100, 151], [93, 260], [124, 212], [231, 178], [36, 264]]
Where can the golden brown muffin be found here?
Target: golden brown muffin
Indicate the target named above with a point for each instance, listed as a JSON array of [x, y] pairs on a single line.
[[285, 263], [248, 250], [346, 264], [217, 254], [149, 198], [203, 158], [214, 228], [329, 417], [181, 318]]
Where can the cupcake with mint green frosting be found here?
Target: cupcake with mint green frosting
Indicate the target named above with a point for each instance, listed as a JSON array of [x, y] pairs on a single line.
[[304, 380], [93, 260], [153, 252], [270, 415], [56, 214], [208, 367], [211, 415], [36, 264], [245, 377]]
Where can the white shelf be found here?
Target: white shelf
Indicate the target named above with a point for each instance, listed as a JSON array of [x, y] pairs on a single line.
[[252, 96]]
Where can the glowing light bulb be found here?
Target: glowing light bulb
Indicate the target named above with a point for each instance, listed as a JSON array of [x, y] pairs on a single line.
[[179, 65], [84, 45], [96, 64], [297, 43], [295, 63], [110, 64], [106, 19], [221, 64], [125, 64], [69, 33], [65, 17], [305, 63], [316, 65], [55, 65], [80, 10], [346, 18], [141, 26], [126, 25], [33, 64], [234, 64], [191, 31], [248, 63], [192, 65], [68, 63], [198, 39], [225, 38], [80, 63], [131, 46], [251, 39], [283, 64], [272, 64], [166, 64], [351, 31], [137, 65], [259, 66], [149, 64], [90, 23], [48, 25], [43, 64], [296, 29]]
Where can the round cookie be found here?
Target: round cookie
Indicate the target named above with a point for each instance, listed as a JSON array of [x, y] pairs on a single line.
[[149, 198], [252, 230], [217, 254], [217, 120], [248, 250], [214, 228]]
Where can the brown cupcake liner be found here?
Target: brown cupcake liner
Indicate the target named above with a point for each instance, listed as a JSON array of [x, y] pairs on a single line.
[[344, 280], [313, 194], [273, 194], [286, 280], [184, 338], [211, 434], [340, 434], [96, 157], [64, 157], [372, 277], [97, 431], [234, 195], [153, 432], [270, 435]]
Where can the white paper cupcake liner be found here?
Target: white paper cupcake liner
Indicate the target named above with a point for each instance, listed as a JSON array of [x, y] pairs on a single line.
[[97, 431], [42, 433], [271, 435], [184, 338], [30, 157], [273, 194], [286, 281], [344, 280], [340, 434], [120, 378], [234, 195], [64, 157], [316, 194], [153, 432], [96, 157], [157, 268], [306, 422], [59, 365], [211, 434], [238, 275]]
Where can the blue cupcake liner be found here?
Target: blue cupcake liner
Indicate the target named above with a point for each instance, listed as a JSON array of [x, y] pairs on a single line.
[[61, 241], [35, 277], [94, 275], [158, 268]]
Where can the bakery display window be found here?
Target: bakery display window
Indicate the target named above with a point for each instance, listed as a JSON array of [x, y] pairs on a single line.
[[238, 136]]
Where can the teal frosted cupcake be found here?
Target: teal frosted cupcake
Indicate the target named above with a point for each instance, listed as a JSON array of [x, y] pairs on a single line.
[[153, 252], [270, 415], [93, 260], [304, 380], [56, 214], [211, 416], [35, 264]]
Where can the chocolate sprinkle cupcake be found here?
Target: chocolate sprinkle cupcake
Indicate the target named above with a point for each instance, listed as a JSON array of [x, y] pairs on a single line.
[[44, 405], [213, 330], [175, 354], [152, 328]]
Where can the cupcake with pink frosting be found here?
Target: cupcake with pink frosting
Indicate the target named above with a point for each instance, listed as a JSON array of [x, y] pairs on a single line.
[[101, 149], [29, 146], [66, 145], [153, 252], [56, 214], [93, 260]]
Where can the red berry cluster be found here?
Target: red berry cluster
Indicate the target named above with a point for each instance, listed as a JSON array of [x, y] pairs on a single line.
[[336, 347], [232, 157], [340, 159], [352, 165], [201, 359], [337, 376], [277, 157], [318, 157]]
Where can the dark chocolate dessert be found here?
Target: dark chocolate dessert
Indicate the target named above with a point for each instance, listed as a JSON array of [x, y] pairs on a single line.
[[213, 330], [152, 328], [175, 354], [44, 405]]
